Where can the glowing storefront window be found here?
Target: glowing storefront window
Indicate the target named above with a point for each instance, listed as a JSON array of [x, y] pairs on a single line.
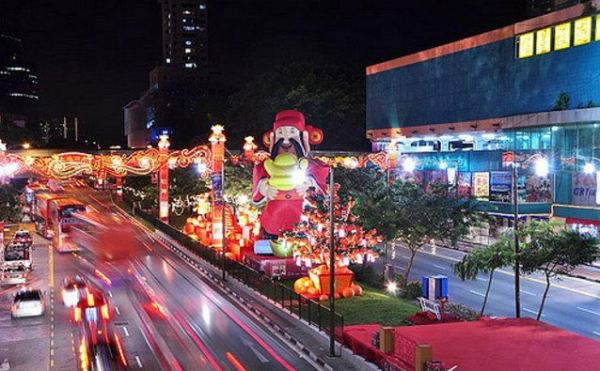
[[562, 36], [583, 31], [543, 41], [597, 28], [526, 45]]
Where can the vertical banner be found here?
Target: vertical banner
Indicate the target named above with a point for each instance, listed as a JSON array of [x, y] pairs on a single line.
[[584, 189], [481, 185], [217, 147], [463, 183], [501, 186], [163, 193]]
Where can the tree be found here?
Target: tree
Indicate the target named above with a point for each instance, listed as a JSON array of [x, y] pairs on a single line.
[[377, 208], [330, 96], [554, 252], [486, 260], [406, 212], [10, 207]]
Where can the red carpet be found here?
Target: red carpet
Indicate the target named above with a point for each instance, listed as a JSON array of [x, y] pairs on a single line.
[[491, 345]]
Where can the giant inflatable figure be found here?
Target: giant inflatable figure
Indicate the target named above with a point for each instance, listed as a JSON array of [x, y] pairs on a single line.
[[282, 180]]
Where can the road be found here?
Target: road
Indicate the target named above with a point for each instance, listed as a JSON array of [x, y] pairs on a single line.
[[168, 315], [572, 303]]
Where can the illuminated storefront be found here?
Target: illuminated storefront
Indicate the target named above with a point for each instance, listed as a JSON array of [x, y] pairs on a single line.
[[531, 88]]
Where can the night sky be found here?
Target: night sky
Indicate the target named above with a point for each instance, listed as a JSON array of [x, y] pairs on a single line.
[[93, 56]]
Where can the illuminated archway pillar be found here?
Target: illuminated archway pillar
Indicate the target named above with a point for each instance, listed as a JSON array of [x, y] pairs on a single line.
[[163, 180], [217, 146], [101, 179], [119, 186]]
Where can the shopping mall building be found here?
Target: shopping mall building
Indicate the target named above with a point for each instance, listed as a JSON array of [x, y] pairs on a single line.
[[532, 88]]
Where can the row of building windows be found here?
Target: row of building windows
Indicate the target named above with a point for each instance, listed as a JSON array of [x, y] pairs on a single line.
[[558, 37], [23, 95]]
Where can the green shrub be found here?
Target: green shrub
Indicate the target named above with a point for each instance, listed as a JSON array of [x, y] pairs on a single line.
[[367, 274], [411, 290], [461, 312]]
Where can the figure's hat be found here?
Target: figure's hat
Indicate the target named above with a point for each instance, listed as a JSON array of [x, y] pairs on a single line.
[[289, 117], [295, 119]]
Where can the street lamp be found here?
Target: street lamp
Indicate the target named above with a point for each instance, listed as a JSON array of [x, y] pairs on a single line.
[[26, 145], [409, 164], [541, 168]]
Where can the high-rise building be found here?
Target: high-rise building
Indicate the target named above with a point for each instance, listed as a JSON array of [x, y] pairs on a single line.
[[170, 105], [18, 84], [185, 33]]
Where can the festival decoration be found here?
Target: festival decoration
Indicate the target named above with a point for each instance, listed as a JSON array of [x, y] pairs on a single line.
[[281, 180], [311, 240]]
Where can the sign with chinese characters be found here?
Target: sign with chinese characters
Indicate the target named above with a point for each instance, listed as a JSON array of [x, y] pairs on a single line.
[[583, 31], [562, 36], [481, 185], [543, 41], [526, 45]]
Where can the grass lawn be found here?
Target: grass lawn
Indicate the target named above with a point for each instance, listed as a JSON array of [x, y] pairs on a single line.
[[375, 306]]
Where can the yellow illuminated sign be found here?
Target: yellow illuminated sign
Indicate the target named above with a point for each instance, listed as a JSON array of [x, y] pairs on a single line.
[[526, 45], [562, 36], [583, 31], [543, 41]]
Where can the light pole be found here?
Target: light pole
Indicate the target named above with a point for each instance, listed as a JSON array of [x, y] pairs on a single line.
[[542, 168], [331, 268]]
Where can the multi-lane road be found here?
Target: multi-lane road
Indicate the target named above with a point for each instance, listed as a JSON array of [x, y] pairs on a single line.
[[572, 304], [167, 314]]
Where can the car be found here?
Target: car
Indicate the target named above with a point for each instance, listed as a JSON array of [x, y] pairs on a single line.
[[92, 308], [73, 287], [103, 351], [28, 303], [23, 236]]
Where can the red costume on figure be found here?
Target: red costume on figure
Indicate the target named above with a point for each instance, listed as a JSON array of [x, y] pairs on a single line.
[[284, 208], [281, 214]]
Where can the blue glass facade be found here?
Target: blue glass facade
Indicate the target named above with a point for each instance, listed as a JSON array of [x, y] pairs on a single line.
[[484, 82], [502, 84]]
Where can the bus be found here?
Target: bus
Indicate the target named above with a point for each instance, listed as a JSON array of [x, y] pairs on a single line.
[[63, 218], [41, 216], [16, 261]]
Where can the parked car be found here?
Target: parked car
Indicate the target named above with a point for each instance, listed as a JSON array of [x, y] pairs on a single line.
[[28, 303]]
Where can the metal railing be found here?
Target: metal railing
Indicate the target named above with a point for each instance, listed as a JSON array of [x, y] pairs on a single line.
[[311, 311]]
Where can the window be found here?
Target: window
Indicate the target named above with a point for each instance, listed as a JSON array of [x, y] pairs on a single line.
[[202, 7], [597, 28], [583, 31], [562, 36], [526, 45], [188, 50], [190, 65], [189, 28], [188, 42], [187, 12], [168, 60], [543, 41]]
